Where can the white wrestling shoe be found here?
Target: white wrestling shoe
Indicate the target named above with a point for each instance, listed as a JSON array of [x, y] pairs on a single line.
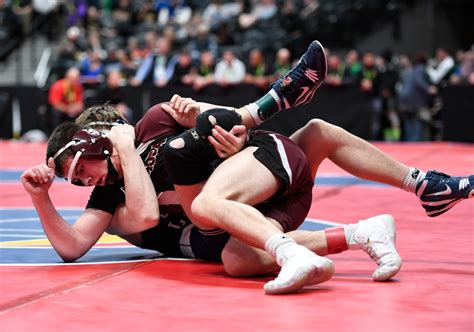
[[301, 267], [377, 236]]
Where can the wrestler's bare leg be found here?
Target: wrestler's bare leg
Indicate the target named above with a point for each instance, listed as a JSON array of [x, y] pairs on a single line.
[[320, 140]]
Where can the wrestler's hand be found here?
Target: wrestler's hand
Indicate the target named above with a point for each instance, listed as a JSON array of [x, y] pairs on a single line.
[[122, 136], [228, 143], [183, 110], [38, 179]]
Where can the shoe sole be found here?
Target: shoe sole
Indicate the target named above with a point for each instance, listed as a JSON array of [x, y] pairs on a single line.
[[325, 59]]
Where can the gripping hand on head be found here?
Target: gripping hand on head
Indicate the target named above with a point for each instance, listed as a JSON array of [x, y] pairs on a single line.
[[227, 143], [122, 136], [183, 110]]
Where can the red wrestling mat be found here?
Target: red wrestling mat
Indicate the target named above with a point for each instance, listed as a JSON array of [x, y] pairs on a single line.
[[432, 292]]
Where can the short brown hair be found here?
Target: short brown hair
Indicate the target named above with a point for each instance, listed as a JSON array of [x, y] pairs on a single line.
[[62, 135], [100, 116]]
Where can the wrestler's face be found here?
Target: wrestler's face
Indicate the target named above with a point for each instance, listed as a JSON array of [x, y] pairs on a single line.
[[88, 172]]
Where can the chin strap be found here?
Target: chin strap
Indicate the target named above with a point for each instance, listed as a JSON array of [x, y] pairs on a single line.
[[73, 166]]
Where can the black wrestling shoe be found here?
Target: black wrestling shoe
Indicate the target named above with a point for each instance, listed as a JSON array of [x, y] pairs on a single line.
[[298, 86], [439, 192]]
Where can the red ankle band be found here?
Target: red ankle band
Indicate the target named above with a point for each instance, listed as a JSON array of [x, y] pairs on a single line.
[[336, 240]]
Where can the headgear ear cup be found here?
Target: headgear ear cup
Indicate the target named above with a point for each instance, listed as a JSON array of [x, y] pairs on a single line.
[[92, 143]]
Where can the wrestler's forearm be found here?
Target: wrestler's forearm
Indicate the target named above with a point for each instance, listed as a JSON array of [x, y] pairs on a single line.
[[65, 240], [141, 205]]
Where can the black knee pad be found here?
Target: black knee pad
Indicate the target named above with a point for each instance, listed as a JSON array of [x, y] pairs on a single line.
[[224, 118], [191, 163]]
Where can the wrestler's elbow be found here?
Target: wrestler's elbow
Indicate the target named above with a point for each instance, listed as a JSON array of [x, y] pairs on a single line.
[[149, 219], [69, 257]]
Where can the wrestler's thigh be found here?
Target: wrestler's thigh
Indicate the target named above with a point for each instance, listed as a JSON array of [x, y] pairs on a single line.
[[242, 178], [311, 142]]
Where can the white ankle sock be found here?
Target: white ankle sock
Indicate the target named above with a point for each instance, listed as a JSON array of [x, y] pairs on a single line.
[[280, 247], [413, 177], [349, 231], [253, 110]]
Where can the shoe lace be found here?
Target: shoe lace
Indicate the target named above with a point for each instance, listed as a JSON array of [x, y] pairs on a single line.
[[371, 251]]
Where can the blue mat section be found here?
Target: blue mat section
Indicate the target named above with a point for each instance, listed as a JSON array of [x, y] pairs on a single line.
[[24, 225]]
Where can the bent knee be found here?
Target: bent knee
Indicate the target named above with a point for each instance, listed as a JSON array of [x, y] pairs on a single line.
[[201, 210], [317, 127], [322, 131]]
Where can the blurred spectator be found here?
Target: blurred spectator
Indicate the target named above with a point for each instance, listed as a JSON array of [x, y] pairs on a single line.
[[92, 69], [172, 11], [218, 12], [203, 41], [309, 9], [441, 69], [262, 10], [93, 20], [414, 101], [229, 70], [114, 93], [157, 67], [95, 43], [123, 16], [405, 66], [205, 71], [77, 10], [465, 69], [126, 66], [119, 60], [24, 10], [369, 74], [470, 79], [69, 51], [369, 85], [353, 67], [335, 71], [282, 62], [66, 97], [150, 42], [290, 18], [136, 53], [146, 16], [10, 27], [182, 73], [258, 73], [388, 78], [225, 35]]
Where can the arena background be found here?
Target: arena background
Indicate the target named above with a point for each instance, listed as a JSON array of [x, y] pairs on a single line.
[[117, 287]]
